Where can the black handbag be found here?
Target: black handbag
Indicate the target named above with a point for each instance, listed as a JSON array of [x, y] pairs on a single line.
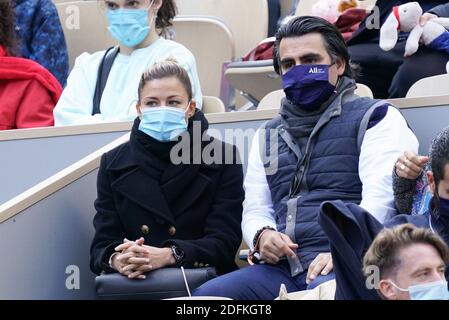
[[159, 284]]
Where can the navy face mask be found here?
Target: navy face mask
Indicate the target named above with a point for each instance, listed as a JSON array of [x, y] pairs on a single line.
[[444, 206], [308, 86], [443, 212]]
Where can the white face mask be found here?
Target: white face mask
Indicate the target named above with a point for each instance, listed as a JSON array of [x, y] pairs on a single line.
[[427, 291]]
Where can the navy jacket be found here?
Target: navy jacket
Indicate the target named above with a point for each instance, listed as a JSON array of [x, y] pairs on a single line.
[[351, 231], [197, 207], [41, 37], [441, 10]]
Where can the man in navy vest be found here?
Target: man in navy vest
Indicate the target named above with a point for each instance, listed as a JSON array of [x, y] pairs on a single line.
[[326, 144]]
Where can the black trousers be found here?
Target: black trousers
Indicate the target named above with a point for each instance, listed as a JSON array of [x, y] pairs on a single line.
[[389, 74]]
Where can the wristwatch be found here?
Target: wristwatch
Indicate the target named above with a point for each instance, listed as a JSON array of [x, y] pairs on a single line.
[[178, 254]]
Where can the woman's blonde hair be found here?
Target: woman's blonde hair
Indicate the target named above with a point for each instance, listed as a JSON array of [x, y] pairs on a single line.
[[166, 69]]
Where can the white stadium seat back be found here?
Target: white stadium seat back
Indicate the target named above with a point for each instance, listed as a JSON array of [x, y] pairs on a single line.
[[212, 44], [85, 27], [431, 86], [247, 19]]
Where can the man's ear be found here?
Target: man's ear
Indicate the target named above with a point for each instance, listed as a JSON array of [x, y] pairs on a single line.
[[387, 290], [431, 181], [341, 66]]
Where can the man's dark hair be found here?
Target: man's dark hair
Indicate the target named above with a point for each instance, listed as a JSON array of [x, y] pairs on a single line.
[[335, 44], [439, 158]]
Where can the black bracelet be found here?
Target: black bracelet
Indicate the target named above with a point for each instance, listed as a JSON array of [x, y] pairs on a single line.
[[258, 233]]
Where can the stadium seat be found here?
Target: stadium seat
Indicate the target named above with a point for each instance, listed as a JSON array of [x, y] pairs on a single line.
[[213, 105], [85, 27], [248, 19], [254, 79], [431, 86], [212, 44], [363, 91], [271, 100]]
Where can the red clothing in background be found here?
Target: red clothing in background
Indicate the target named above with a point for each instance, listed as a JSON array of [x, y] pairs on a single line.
[[28, 93], [347, 23]]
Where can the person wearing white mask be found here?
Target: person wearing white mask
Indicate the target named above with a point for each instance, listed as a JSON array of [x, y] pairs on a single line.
[[174, 213], [102, 86], [411, 263]]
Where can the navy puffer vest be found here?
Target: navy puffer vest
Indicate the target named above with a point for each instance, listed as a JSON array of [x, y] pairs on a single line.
[[332, 173]]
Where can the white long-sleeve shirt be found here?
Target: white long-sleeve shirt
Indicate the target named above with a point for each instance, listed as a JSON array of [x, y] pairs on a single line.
[[381, 146], [118, 102]]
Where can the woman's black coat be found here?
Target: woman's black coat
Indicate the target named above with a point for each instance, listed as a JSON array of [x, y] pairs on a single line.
[[197, 207]]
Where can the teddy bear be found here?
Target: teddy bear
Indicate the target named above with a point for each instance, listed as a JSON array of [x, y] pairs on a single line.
[[326, 9], [406, 18], [347, 4], [330, 10]]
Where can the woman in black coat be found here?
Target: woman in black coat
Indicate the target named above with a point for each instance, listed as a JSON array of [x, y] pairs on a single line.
[[173, 214]]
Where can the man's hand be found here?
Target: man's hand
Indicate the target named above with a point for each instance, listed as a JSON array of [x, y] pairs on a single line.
[[410, 165], [426, 17], [274, 245], [321, 265]]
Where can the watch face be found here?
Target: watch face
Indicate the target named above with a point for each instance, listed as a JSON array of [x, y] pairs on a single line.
[[178, 254]]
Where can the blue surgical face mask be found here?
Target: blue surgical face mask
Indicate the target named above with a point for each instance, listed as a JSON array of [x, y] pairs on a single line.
[[427, 291], [163, 123], [129, 26], [308, 86]]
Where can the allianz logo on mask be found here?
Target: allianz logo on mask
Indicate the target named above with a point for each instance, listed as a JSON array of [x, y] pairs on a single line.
[[316, 70]]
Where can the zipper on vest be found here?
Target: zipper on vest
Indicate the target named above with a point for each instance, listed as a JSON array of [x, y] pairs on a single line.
[[297, 182]]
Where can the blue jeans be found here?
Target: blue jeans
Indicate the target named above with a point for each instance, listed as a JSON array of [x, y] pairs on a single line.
[[258, 282]]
